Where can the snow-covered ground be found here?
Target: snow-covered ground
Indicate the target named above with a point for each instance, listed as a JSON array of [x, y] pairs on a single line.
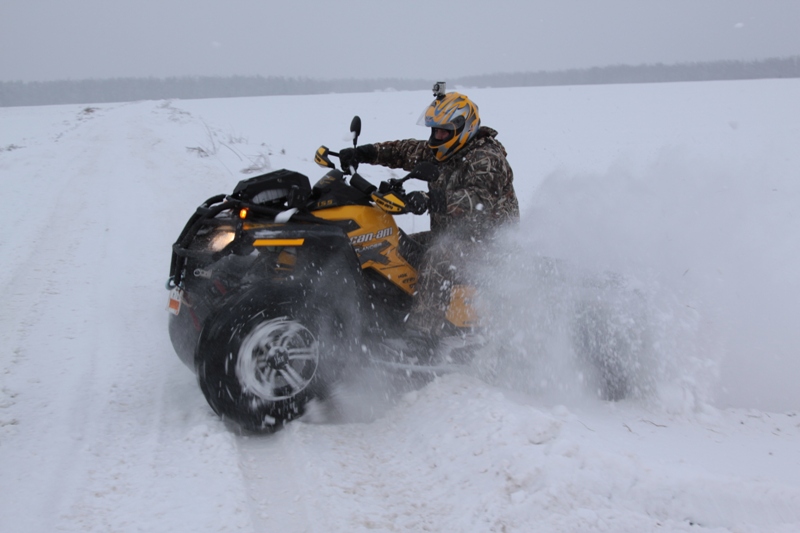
[[690, 190]]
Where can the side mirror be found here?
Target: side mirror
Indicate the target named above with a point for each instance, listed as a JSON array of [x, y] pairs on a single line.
[[355, 129], [425, 171], [321, 157]]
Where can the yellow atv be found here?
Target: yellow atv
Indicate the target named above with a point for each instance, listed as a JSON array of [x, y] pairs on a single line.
[[278, 286]]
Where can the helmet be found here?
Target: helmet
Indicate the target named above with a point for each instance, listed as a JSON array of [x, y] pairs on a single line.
[[456, 113]]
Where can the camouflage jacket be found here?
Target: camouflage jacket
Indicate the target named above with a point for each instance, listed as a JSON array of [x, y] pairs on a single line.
[[474, 193]]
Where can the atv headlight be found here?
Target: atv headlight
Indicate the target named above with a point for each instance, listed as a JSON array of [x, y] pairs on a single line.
[[221, 239]]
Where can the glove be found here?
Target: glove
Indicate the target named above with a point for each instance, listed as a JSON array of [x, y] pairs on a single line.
[[417, 202], [351, 157]]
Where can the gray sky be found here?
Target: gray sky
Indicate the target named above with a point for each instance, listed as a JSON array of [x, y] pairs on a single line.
[[76, 39]]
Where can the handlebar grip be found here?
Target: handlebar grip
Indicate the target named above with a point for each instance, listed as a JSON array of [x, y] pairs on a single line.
[[362, 185]]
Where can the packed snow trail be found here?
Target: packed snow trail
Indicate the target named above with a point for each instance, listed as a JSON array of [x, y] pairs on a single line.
[[101, 405], [103, 429]]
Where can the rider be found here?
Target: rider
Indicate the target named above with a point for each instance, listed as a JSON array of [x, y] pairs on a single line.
[[472, 197]]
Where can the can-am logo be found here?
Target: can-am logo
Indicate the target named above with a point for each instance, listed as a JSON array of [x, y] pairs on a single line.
[[361, 239]]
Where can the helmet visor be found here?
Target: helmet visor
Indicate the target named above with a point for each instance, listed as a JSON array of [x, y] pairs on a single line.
[[429, 121]]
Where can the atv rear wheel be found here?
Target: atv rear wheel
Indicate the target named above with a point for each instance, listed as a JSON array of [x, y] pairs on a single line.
[[611, 339], [259, 364]]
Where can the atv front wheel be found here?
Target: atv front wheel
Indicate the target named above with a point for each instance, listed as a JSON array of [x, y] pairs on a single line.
[[259, 364], [277, 359]]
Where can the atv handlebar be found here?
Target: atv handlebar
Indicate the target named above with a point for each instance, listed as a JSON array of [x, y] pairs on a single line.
[[360, 184], [424, 171], [399, 203]]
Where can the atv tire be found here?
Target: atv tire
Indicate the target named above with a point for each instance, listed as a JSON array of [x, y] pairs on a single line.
[[263, 357], [611, 344]]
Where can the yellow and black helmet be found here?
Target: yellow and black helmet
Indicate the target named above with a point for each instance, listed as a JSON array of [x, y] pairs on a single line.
[[455, 113]]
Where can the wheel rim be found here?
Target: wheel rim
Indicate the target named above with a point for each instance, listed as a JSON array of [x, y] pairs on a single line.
[[277, 359]]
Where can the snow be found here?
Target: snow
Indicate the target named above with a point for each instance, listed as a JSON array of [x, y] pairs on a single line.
[[690, 191]]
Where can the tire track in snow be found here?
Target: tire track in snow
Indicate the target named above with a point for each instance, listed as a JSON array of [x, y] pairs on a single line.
[[94, 422], [282, 496], [51, 359], [139, 437]]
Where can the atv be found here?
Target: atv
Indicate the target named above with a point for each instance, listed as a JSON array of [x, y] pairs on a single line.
[[276, 288]]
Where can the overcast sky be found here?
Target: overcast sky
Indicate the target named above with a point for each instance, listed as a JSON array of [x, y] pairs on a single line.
[[77, 39]]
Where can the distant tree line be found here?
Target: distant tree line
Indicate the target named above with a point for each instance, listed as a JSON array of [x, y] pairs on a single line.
[[656, 73], [15, 93]]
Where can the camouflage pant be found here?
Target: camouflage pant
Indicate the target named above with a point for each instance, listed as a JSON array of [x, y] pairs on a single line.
[[444, 266]]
